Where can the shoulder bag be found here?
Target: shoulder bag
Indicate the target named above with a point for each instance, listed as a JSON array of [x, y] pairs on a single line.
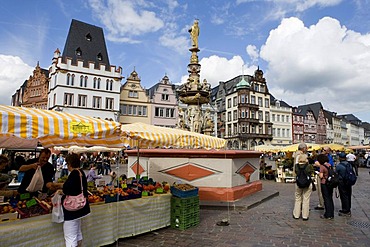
[[74, 203]]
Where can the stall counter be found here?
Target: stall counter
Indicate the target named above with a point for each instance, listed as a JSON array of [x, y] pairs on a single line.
[[105, 225]]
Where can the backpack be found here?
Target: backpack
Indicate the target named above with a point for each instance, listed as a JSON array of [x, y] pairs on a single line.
[[350, 177], [333, 178], [303, 179]]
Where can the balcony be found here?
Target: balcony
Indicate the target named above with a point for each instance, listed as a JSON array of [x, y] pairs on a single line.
[[248, 120], [248, 105]]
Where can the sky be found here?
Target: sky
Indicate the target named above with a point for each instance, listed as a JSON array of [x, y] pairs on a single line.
[[309, 50]]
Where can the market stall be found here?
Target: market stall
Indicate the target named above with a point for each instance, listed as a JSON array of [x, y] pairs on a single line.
[[106, 223]]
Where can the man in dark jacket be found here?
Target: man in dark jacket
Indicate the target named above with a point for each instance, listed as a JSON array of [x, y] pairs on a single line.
[[345, 190]]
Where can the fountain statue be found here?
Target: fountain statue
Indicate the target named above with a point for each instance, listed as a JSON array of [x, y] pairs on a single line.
[[195, 93]]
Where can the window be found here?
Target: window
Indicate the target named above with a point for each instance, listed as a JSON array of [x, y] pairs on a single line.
[[260, 101], [96, 102], [235, 115], [235, 101], [229, 116], [253, 100], [256, 87], [107, 85], [54, 98], [287, 118], [278, 132], [253, 130], [99, 57], [78, 52], [82, 100], [73, 80], [165, 97], [267, 116], [98, 86], [68, 79], [159, 112], [88, 37], [282, 118], [111, 85], [273, 117], [132, 94], [260, 129], [94, 82], [85, 82], [273, 132], [267, 103], [68, 99], [242, 113], [253, 115], [278, 118], [283, 132], [228, 103], [262, 89], [243, 128], [124, 109], [81, 81], [260, 115], [242, 98], [109, 103]]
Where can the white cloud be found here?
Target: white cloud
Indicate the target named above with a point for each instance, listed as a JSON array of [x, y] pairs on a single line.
[[123, 18], [325, 62], [216, 69], [13, 72], [252, 52]]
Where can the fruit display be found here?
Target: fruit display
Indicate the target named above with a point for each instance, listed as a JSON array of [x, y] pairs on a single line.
[[184, 190], [6, 208], [184, 187], [30, 208], [62, 179]]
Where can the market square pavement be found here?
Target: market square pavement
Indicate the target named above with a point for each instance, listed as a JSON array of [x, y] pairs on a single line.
[[265, 219]]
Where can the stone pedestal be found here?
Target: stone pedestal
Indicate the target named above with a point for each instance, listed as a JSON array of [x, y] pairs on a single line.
[[220, 175]]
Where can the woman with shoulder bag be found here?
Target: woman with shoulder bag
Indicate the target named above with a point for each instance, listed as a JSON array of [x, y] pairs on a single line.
[[75, 183]]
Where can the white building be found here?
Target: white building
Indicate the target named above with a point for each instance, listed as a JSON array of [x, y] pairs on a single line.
[[281, 118], [81, 79]]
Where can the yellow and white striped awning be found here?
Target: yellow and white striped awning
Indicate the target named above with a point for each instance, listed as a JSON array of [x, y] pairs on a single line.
[[149, 136], [22, 127]]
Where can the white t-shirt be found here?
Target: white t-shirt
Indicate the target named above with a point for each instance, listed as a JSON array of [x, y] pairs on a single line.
[[351, 157]]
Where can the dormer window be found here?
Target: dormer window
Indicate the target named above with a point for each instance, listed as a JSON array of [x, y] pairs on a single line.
[[88, 37], [99, 57], [78, 52]]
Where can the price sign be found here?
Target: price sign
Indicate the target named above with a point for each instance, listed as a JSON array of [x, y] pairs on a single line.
[[31, 203], [24, 196]]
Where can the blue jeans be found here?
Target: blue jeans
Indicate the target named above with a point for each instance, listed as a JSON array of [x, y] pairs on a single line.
[[345, 194]]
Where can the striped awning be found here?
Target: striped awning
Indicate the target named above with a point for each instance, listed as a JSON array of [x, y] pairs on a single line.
[[22, 127], [149, 136]]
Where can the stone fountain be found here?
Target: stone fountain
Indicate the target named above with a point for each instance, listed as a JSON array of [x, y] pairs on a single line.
[[195, 93]]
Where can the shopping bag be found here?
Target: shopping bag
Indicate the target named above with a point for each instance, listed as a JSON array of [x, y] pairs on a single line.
[[37, 182], [57, 214]]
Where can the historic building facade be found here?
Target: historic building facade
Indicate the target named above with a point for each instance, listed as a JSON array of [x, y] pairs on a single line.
[[34, 91], [81, 79], [163, 103], [135, 105], [243, 104], [281, 118]]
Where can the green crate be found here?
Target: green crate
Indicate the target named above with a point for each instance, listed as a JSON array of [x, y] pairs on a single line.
[[185, 221], [185, 203]]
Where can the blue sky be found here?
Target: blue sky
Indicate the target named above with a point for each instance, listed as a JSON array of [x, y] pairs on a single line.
[[309, 50]]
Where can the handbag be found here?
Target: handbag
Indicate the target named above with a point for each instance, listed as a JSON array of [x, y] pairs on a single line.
[[74, 203], [37, 182], [57, 214]]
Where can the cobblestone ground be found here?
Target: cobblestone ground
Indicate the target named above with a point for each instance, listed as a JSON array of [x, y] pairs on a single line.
[[271, 224]]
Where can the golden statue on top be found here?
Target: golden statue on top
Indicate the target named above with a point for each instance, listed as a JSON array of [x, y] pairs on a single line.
[[194, 34]]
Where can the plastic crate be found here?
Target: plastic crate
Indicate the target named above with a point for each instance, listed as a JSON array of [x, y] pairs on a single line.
[[184, 193], [35, 210], [184, 221], [109, 199], [184, 203]]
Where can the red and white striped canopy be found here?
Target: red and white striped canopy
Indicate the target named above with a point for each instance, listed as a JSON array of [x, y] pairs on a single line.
[[22, 127]]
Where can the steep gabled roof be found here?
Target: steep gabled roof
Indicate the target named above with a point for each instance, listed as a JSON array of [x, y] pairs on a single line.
[[329, 115], [350, 118], [165, 81], [86, 42], [230, 85], [314, 107]]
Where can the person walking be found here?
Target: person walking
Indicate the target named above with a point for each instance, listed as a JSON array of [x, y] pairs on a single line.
[[327, 191], [72, 186], [345, 190], [302, 195]]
